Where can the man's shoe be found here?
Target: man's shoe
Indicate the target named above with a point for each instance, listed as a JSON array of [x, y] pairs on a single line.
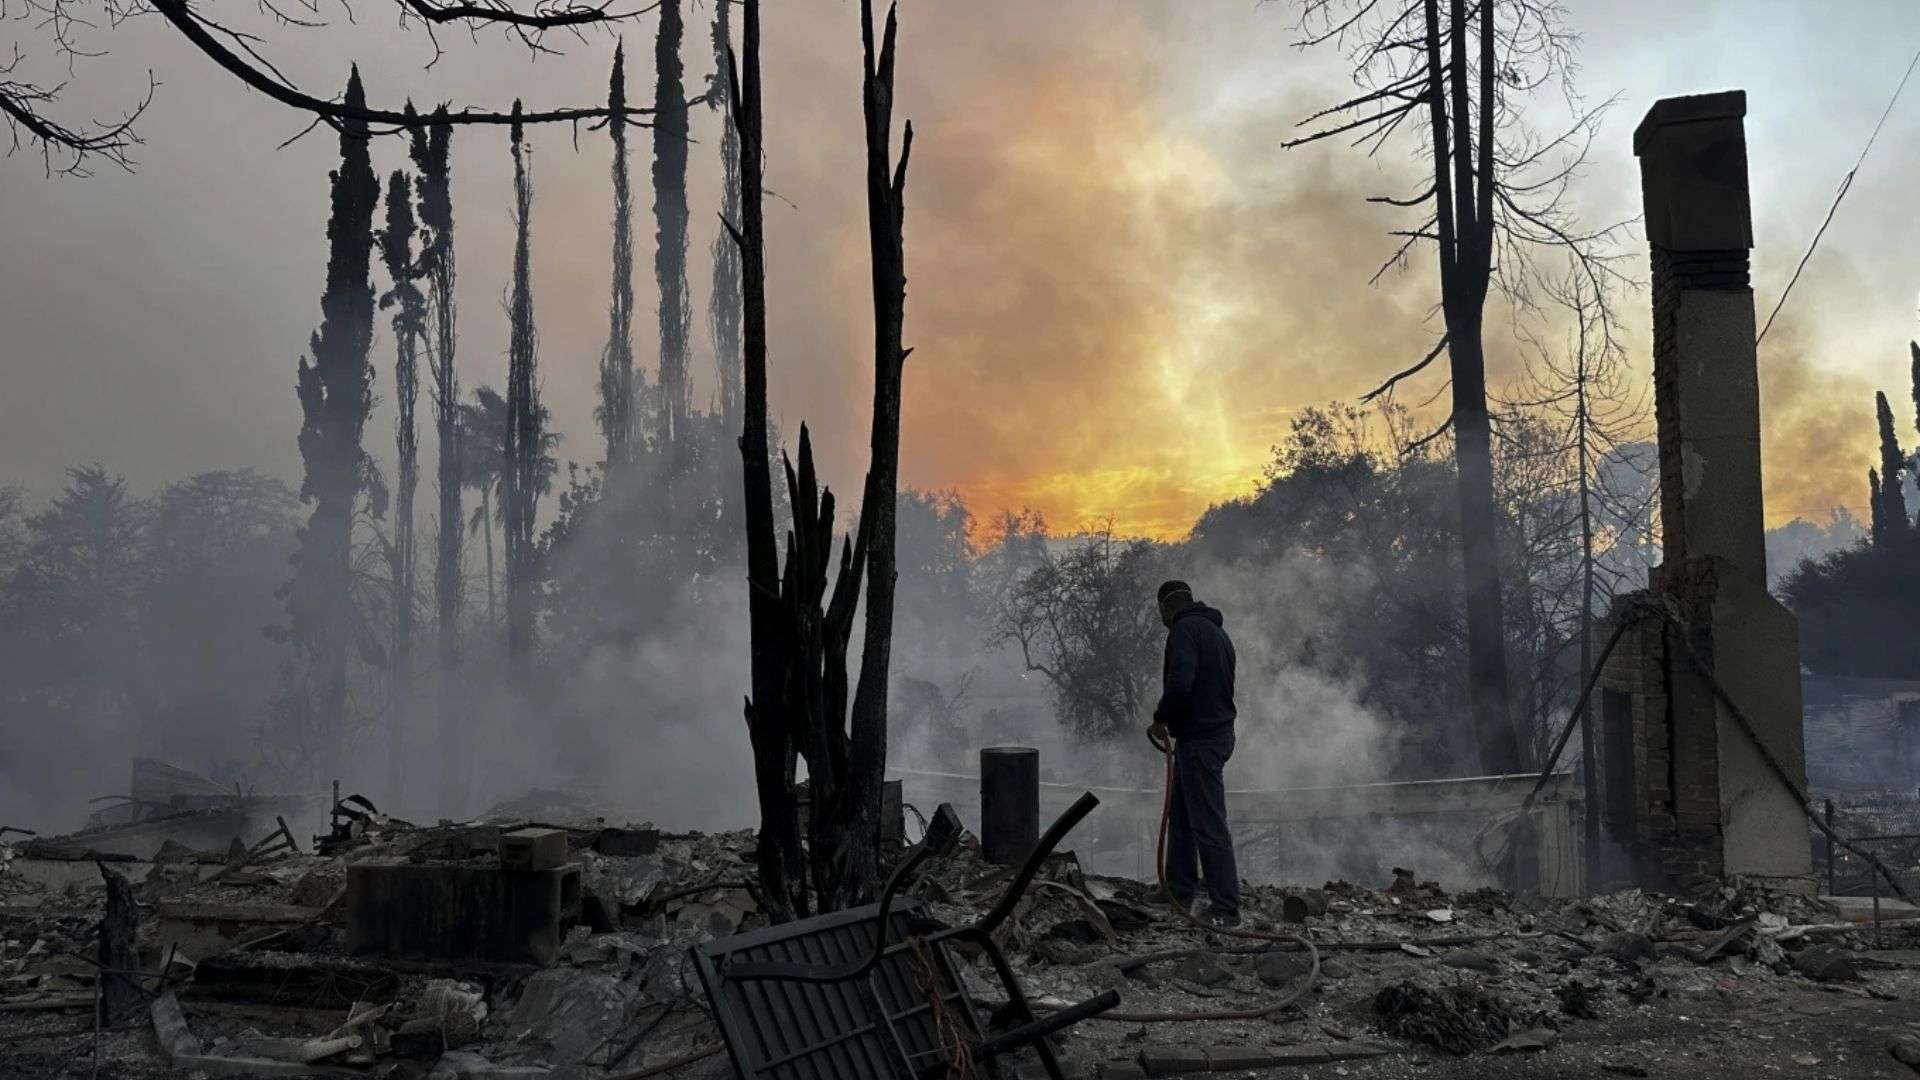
[[1223, 920]]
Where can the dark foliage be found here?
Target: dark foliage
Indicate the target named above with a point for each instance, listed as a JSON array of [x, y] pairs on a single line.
[[409, 306], [617, 390], [1857, 609], [431, 149], [1889, 502], [136, 624], [723, 302], [670, 220], [1084, 620], [523, 443], [335, 388]]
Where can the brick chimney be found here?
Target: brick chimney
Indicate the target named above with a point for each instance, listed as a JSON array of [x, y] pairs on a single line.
[[1693, 182], [1686, 794]]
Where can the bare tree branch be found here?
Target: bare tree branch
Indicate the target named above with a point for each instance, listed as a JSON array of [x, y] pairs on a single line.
[[1386, 388], [21, 103], [198, 30]]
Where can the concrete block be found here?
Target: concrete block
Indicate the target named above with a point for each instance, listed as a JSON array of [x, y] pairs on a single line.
[[533, 848]]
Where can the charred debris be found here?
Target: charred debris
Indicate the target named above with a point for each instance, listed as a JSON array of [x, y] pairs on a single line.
[[546, 938]]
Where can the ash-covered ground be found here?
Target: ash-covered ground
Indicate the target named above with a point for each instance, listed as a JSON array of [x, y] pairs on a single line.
[[1413, 978]]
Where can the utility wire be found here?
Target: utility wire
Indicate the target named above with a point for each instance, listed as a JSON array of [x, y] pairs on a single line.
[[1846, 183]]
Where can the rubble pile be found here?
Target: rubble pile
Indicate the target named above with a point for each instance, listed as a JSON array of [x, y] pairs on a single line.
[[252, 964]]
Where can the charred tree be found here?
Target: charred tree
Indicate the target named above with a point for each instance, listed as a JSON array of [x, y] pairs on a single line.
[[616, 364], [432, 148], [670, 221], [409, 326], [801, 704], [520, 453], [335, 389], [777, 849], [723, 301], [886, 228], [118, 951], [1453, 71]]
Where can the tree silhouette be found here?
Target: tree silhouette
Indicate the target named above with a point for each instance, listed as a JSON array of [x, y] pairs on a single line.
[[521, 478], [1889, 502], [335, 389], [723, 301], [431, 150], [409, 327], [617, 391], [1495, 192], [800, 701], [670, 222]]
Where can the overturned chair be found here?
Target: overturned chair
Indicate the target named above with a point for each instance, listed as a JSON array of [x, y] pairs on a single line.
[[874, 992]]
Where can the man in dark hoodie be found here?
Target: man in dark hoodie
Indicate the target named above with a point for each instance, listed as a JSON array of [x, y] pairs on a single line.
[[1196, 710]]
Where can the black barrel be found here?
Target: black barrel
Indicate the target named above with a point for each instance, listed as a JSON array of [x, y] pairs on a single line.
[[1009, 803]]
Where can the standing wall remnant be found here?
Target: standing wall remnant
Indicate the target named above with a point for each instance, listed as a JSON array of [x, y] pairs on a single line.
[[1687, 795]]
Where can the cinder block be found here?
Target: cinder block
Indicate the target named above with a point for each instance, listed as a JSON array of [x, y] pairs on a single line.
[[459, 911], [533, 849]]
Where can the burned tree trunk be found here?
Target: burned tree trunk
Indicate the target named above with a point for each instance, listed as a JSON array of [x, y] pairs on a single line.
[[801, 704], [616, 364], [1451, 76], [670, 219], [119, 950], [520, 457], [335, 392], [409, 323], [886, 195], [1464, 300], [778, 850], [431, 151]]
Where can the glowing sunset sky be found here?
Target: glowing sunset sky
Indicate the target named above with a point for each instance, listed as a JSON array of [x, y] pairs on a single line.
[[1120, 288]]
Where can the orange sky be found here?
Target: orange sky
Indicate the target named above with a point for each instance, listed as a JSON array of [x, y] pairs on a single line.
[[1120, 287]]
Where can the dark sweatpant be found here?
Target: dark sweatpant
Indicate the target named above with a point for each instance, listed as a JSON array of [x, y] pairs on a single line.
[[1197, 837]]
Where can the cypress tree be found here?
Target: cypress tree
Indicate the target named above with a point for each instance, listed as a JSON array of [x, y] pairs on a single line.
[[670, 221], [335, 389], [616, 363], [723, 301], [432, 157], [1893, 509], [1914, 348], [1876, 508], [409, 323], [521, 452]]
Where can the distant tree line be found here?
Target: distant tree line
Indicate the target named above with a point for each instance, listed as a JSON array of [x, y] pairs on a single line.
[[1858, 606]]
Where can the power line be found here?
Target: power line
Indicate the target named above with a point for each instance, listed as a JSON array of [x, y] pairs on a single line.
[[1846, 183]]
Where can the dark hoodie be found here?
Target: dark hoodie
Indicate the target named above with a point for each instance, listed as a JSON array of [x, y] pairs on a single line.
[[1197, 678]]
